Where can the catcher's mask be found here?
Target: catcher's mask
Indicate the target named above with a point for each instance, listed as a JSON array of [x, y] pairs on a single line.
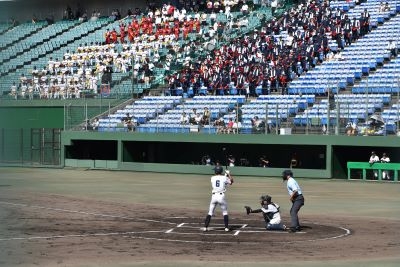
[[265, 198]]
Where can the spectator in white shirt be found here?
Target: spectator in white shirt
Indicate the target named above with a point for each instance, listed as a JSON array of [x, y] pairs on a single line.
[[184, 118], [274, 6], [373, 159], [245, 9], [385, 173], [392, 47], [13, 91]]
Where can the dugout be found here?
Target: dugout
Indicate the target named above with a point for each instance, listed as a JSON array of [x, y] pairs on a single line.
[[31, 135], [319, 156]]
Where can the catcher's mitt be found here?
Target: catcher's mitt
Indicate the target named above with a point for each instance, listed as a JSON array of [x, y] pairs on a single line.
[[248, 209]]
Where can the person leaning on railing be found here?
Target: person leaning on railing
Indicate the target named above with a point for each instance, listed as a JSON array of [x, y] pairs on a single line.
[[385, 173]]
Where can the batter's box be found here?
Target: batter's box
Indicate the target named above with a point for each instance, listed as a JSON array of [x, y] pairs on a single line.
[[245, 230]]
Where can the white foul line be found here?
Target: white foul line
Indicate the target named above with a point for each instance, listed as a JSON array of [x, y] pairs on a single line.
[[84, 212], [76, 235], [238, 231]]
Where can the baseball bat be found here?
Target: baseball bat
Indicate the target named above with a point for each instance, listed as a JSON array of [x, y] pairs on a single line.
[[226, 157]]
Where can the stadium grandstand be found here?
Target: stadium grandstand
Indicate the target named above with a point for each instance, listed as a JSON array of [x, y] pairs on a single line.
[[327, 68]]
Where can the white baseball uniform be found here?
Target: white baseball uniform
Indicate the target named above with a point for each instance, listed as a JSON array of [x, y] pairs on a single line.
[[219, 184]]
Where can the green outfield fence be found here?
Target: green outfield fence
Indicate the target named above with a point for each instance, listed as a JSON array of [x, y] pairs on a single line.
[[27, 147]]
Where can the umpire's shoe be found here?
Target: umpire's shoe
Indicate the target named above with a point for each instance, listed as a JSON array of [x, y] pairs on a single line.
[[294, 229]]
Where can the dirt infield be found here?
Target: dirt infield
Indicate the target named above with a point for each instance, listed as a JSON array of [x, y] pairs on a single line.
[[40, 226]]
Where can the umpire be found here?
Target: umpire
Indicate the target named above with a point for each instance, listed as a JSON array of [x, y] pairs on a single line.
[[296, 197]]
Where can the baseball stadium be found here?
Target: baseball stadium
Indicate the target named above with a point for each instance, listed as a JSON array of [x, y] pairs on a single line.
[[115, 115]]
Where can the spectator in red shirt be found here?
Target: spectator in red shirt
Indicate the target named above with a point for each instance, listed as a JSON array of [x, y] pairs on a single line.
[[122, 33]]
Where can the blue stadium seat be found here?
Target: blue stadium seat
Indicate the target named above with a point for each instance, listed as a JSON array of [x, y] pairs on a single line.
[[365, 70], [190, 92], [233, 91]]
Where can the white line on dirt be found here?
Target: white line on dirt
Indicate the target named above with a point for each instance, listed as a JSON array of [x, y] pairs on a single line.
[[76, 235], [132, 234], [84, 212], [238, 231]]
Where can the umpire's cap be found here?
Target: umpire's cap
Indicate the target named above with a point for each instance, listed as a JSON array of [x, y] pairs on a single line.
[[286, 173]]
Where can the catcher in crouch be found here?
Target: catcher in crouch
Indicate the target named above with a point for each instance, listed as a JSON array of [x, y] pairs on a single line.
[[270, 212]]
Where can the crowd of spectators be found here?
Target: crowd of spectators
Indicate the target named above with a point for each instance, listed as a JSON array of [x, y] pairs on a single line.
[[233, 126], [58, 81], [83, 69], [191, 17], [266, 59], [268, 62]]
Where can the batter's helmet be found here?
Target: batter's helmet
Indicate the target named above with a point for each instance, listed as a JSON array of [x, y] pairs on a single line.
[[218, 169]]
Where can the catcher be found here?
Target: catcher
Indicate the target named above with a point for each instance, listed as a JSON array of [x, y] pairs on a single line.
[[270, 212]]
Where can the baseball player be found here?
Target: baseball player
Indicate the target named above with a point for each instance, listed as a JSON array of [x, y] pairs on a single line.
[[219, 182], [372, 159], [270, 212], [385, 173], [296, 197]]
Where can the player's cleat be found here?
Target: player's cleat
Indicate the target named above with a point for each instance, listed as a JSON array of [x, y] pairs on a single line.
[[205, 229], [226, 229], [284, 228]]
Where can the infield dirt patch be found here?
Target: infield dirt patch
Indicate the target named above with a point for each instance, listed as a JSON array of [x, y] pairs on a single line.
[[44, 229], [51, 217]]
